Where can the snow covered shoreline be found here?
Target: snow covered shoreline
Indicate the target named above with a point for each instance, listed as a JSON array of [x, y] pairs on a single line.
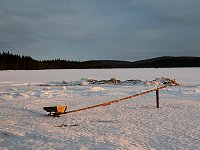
[[132, 124]]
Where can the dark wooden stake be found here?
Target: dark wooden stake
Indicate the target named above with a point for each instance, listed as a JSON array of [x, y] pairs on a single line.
[[157, 98]]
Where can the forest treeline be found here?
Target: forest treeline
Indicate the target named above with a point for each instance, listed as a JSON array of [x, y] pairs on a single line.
[[10, 61]]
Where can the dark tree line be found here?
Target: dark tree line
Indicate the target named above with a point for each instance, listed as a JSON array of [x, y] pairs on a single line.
[[16, 62]]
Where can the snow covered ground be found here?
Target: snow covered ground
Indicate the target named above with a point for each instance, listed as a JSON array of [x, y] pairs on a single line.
[[131, 124]]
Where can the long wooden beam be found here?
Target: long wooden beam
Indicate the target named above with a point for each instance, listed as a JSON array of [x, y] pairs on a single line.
[[116, 101]]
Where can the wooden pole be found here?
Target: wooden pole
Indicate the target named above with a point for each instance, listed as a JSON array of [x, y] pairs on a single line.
[[157, 98], [118, 100]]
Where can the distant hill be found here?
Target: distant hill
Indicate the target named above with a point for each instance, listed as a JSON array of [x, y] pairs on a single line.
[[159, 62], [15, 62], [169, 62]]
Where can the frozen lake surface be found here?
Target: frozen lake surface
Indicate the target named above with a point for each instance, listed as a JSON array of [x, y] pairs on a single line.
[[131, 124]]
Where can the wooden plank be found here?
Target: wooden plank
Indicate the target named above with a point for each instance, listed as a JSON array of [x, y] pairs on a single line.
[[115, 101]]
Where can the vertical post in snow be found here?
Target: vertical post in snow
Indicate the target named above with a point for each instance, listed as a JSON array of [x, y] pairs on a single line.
[[157, 98]]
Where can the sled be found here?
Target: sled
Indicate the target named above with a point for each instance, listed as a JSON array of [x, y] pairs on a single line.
[[55, 110]]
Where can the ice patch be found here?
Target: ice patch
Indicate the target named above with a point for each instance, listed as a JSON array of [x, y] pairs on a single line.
[[11, 133], [6, 96], [64, 88], [190, 90], [197, 90], [30, 93], [96, 89], [14, 89], [80, 82], [24, 95]]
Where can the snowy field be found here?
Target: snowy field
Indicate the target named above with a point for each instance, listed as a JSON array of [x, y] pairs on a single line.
[[134, 124]]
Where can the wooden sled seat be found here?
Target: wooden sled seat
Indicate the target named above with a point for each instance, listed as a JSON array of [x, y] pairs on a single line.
[[55, 110]]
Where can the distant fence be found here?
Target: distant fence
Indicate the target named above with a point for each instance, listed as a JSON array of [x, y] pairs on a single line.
[[121, 99]]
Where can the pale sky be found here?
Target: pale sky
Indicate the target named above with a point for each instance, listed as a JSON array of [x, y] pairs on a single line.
[[100, 29]]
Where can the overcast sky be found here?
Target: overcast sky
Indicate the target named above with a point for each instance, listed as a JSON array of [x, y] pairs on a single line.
[[100, 29]]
